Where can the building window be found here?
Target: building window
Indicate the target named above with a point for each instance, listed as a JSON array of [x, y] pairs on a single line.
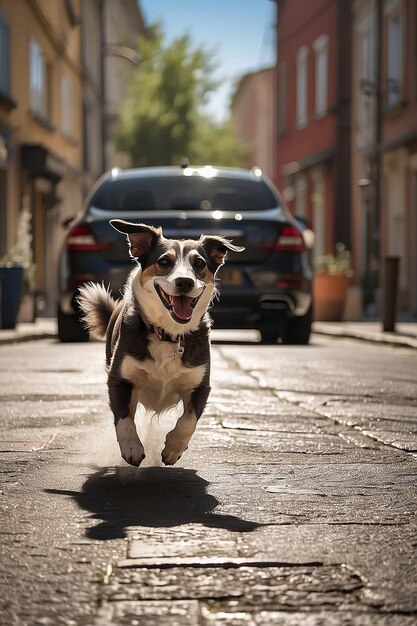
[[4, 55], [302, 59], [321, 46], [37, 79], [282, 98], [394, 60], [66, 105]]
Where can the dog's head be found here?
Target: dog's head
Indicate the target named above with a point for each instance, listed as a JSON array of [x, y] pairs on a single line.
[[177, 278]]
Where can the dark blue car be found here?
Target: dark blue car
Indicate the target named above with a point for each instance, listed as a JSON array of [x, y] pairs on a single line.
[[267, 287]]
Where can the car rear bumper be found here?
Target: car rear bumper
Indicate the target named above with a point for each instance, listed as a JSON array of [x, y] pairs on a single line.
[[253, 309]]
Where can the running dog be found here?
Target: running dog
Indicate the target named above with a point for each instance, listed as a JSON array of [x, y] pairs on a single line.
[[157, 336]]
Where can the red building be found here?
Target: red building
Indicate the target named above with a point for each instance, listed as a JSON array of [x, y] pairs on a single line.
[[313, 145]]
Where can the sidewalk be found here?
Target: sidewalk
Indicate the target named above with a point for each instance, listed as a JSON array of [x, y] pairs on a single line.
[[42, 328], [404, 336]]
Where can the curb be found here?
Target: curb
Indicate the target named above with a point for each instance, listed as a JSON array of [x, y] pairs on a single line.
[[4, 341], [29, 331], [399, 341]]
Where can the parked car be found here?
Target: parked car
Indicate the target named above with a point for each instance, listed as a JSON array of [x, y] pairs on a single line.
[[267, 287]]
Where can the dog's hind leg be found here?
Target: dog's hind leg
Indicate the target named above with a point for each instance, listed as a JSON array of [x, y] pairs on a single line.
[[177, 440], [123, 401]]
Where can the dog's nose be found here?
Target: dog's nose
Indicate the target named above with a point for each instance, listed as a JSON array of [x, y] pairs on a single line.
[[184, 284]]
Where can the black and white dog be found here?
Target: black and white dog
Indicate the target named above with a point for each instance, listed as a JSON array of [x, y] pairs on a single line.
[[158, 349]]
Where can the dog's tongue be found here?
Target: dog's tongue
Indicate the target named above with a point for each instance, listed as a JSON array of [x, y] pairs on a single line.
[[182, 307]]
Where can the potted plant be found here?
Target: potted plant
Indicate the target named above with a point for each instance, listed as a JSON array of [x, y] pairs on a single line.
[[17, 276], [331, 282]]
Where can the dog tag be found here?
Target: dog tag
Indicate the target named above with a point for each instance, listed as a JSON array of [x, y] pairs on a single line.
[[179, 351]]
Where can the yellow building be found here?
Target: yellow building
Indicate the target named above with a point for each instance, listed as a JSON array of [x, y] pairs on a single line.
[[41, 136], [65, 67]]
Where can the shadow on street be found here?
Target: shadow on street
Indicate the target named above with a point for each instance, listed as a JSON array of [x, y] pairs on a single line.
[[156, 497]]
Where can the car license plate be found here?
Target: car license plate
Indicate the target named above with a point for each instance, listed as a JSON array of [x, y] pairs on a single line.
[[230, 277]]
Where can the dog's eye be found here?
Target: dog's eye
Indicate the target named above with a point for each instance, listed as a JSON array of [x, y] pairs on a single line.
[[164, 262], [199, 263]]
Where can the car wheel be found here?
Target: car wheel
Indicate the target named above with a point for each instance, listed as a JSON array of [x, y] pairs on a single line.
[[269, 335], [296, 330], [70, 329]]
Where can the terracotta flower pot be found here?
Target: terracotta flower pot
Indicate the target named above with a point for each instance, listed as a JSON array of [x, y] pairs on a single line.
[[330, 297]]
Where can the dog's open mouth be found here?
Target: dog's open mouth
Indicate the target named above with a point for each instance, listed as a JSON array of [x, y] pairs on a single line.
[[180, 307]]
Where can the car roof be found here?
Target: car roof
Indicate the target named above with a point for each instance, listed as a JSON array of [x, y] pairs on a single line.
[[205, 171]]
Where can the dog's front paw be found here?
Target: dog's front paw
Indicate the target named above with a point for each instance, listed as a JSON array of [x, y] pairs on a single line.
[[132, 451], [174, 449], [130, 445], [170, 457]]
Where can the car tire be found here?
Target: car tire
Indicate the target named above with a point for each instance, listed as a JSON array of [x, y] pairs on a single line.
[[297, 330], [70, 329], [269, 335]]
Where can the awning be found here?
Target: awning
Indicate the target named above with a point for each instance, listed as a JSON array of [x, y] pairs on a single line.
[[39, 161]]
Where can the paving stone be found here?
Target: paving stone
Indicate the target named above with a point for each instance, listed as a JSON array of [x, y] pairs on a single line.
[[191, 540], [211, 617], [274, 587], [403, 441], [151, 613]]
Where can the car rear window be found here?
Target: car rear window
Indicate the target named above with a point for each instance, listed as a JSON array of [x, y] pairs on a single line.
[[189, 193]]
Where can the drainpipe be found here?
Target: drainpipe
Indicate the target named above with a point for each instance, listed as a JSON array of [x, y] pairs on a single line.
[[342, 196], [376, 248], [102, 10]]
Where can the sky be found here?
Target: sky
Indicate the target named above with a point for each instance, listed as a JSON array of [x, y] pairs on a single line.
[[240, 33]]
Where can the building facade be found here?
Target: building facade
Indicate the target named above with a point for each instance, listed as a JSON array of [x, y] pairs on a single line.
[[384, 148], [253, 113], [40, 125], [92, 41], [55, 132], [122, 25], [313, 135]]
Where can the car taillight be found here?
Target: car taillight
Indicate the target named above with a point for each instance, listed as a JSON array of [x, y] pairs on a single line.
[[290, 240], [294, 283], [81, 239]]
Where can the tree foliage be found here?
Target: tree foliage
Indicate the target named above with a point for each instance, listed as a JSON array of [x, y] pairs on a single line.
[[162, 119]]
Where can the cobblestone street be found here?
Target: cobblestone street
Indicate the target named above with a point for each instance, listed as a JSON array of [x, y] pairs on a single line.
[[295, 503]]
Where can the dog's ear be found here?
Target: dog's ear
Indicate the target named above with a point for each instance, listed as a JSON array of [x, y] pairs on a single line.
[[141, 237], [216, 248]]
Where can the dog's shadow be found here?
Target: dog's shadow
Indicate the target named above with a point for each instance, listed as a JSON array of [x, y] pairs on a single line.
[[156, 497]]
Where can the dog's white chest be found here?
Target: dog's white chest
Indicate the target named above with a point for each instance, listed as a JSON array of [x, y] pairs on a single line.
[[161, 382]]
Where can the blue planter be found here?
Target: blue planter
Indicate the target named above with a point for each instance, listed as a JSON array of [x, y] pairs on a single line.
[[11, 287]]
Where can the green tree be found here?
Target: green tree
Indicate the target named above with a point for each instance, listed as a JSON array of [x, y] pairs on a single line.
[[162, 119]]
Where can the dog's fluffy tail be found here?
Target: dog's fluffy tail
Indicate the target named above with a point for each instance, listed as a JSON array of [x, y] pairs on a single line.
[[97, 305]]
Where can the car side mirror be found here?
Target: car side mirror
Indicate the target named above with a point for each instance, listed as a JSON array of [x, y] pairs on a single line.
[[307, 233], [308, 237]]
